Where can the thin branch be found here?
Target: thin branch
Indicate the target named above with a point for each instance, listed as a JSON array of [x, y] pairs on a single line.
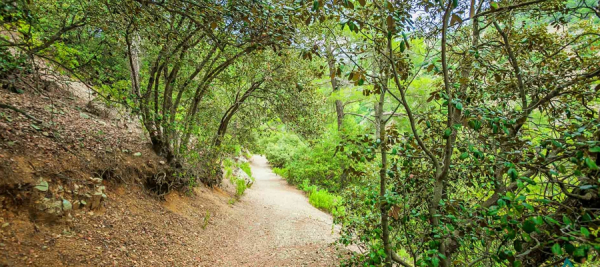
[[20, 111]]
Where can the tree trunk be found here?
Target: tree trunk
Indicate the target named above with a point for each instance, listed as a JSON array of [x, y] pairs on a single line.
[[382, 180], [339, 106], [134, 64], [232, 110]]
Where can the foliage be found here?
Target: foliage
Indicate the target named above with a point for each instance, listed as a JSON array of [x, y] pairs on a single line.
[[322, 199], [245, 166], [240, 187]]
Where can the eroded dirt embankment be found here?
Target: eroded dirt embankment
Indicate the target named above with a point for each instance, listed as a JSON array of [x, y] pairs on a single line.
[[72, 194]]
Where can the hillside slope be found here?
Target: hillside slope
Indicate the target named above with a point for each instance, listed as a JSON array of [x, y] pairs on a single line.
[[72, 193]]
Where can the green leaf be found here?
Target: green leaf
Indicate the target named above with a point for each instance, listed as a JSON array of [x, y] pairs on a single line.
[[42, 186], [447, 133], [494, 5], [569, 248], [549, 220], [459, 106], [529, 207], [454, 3], [528, 226], [556, 249], [595, 149], [315, 5], [35, 127], [435, 261], [464, 155], [512, 172], [591, 164], [566, 220], [585, 232], [518, 245]]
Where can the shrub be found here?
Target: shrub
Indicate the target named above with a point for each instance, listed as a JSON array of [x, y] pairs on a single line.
[[307, 187], [322, 199], [229, 174], [240, 187], [245, 166], [280, 171], [227, 162]]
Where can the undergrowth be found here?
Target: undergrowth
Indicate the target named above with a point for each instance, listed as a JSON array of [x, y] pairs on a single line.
[[240, 184]]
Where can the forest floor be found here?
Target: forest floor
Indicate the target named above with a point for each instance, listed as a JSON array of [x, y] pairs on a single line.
[[46, 192]]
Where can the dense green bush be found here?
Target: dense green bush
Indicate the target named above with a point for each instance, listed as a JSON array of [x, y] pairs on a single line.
[[322, 199], [297, 161], [240, 187], [281, 147]]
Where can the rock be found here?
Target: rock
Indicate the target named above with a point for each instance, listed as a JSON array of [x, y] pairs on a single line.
[[161, 162], [241, 174], [48, 210], [98, 108]]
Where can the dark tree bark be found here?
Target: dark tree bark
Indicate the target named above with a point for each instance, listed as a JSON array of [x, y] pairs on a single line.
[[231, 111]]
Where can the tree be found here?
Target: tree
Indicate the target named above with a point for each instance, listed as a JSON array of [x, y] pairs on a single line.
[[498, 70]]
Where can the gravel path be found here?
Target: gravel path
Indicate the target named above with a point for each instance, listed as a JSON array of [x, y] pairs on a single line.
[[273, 225]]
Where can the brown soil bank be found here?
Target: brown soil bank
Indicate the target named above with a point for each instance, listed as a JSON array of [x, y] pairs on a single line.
[[72, 194], [273, 225]]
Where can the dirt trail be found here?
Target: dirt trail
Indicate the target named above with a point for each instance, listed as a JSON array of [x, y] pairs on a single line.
[[273, 225]]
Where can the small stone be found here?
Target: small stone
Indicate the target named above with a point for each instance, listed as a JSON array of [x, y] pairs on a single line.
[[161, 162]]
